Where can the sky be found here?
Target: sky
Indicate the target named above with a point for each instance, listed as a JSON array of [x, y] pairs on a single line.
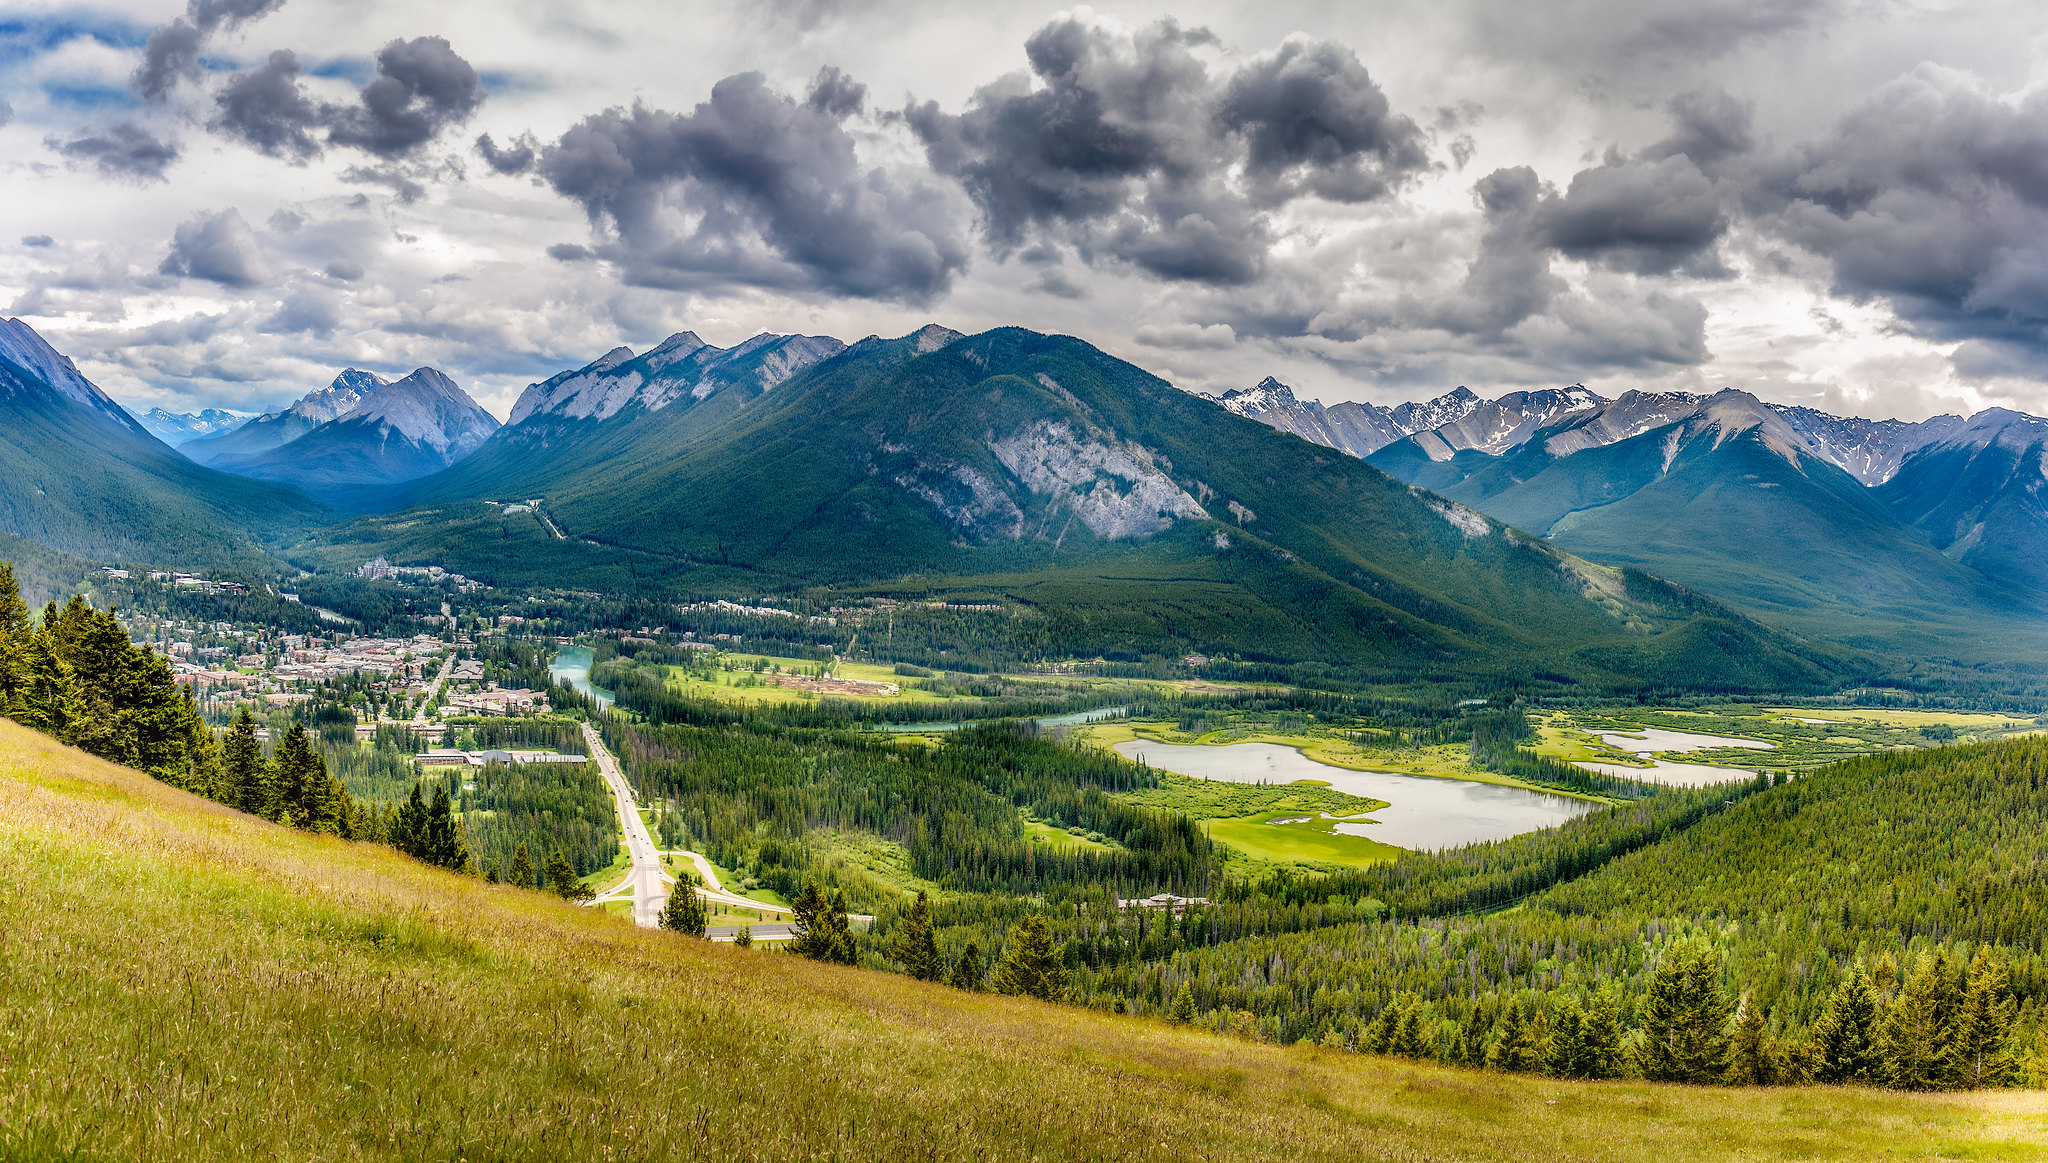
[[221, 203]]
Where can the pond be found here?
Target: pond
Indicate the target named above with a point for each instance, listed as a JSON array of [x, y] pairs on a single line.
[[1667, 772], [1422, 813], [572, 665]]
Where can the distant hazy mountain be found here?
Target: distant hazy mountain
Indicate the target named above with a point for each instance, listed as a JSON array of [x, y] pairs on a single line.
[[1977, 493], [80, 475], [264, 433], [175, 428], [398, 432], [1131, 518]]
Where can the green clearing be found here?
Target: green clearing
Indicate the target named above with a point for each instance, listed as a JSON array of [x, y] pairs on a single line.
[[1240, 815], [1040, 832], [375, 1008]]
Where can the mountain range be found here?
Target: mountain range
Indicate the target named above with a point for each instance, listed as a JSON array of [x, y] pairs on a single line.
[[1853, 528], [1129, 518], [175, 428]]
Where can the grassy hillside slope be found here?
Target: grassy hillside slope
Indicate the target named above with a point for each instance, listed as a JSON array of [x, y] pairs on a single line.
[[180, 981]]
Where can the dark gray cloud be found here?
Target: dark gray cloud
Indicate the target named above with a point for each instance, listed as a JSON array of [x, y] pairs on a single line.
[[422, 87], [836, 95], [219, 248], [121, 150], [1709, 126], [6, 114], [1932, 195], [570, 252], [1646, 217], [1313, 119], [516, 158], [1124, 146], [391, 178], [1510, 279], [265, 108], [37, 240], [172, 52], [754, 188]]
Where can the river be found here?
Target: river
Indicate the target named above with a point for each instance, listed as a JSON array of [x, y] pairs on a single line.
[[572, 665], [1422, 813]]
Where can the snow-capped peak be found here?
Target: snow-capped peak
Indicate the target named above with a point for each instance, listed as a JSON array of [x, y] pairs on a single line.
[[337, 399], [428, 409]]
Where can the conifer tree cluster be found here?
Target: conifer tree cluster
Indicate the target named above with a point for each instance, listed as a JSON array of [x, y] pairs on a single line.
[[685, 911]]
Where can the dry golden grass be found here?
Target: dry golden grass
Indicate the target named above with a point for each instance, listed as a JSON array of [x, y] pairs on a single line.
[[178, 981]]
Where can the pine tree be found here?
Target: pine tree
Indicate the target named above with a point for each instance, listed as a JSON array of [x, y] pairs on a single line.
[[1183, 1010], [522, 868], [969, 971], [443, 837], [562, 878], [1845, 1044], [409, 825], [1917, 1040], [1514, 1049], [1411, 1039], [296, 777], [1600, 1035], [1469, 1047], [1564, 1054], [745, 937], [47, 699], [244, 772], [1754, 1058], [1984, 1055], [1378, 1035], [1032, 965], [822, 932], [14, 634], [1685, 1017], [685, 910], [916, 945]]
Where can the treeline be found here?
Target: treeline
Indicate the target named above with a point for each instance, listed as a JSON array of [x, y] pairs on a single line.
[[1496, 741], [542, 807]]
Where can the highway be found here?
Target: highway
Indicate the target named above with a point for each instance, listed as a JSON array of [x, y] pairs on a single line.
[[646, 885]]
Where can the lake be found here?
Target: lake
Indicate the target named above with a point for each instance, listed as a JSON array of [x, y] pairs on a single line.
[[572, 665], [1669, 772], [1421, 813]]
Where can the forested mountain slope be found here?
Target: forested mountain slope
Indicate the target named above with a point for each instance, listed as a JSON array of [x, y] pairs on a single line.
[[84, 478], [433, 998], [1139, 518], [1980, 493]]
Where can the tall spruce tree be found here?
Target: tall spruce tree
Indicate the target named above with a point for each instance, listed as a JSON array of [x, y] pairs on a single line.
[[15, 629], [822, 932], [408, 831], [1983, 1049], [1600, 1034], [522, 869], [1845, 1037], [562, 878], [1917, 1039], [969, 972], [1032, 965], [1685, 1016], [47, 699], [915, 943], [1564, 1054], [1183, 1008], [443, 840], [684, 912], [1753, 1057], [244, 772], [1514, 1044]]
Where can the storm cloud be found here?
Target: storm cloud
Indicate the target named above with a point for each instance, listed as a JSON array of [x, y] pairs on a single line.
[[753, 187], [1125, 146], [423, 87]]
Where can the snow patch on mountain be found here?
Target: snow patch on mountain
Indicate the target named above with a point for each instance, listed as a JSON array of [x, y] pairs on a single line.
[[681, 366], [175, 428]]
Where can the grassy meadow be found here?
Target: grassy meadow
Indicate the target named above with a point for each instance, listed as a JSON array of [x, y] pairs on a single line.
[[182, 981]]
